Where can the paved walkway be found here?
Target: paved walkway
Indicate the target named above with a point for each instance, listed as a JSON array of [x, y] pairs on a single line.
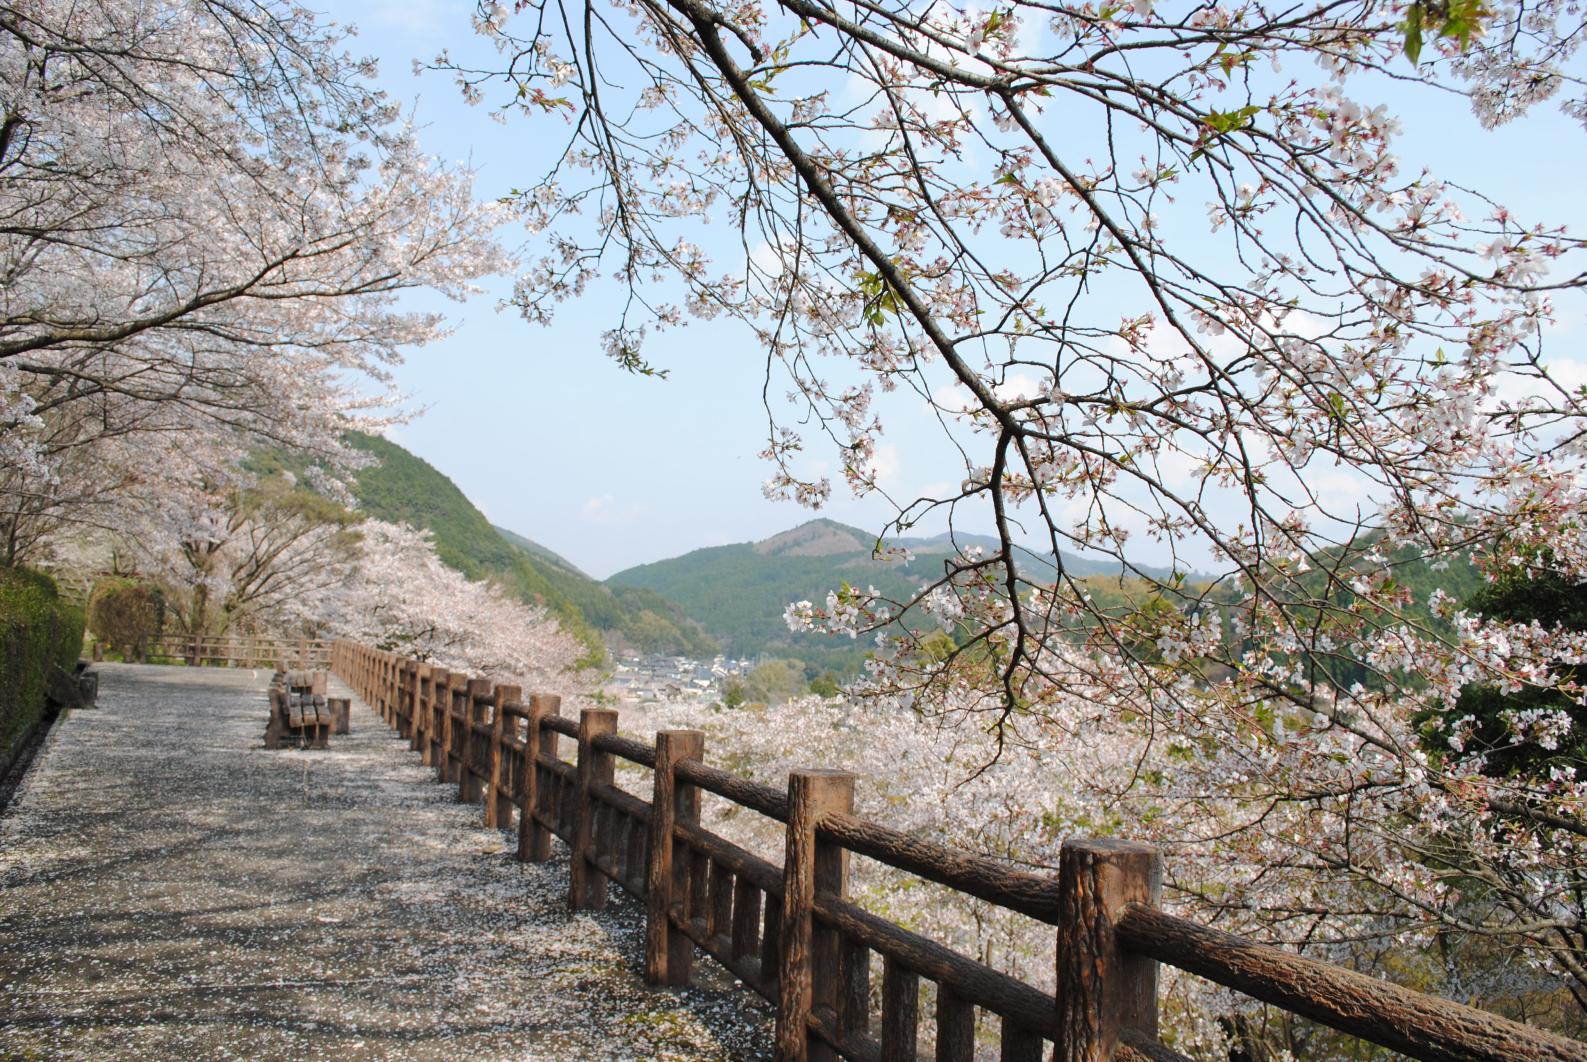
[[171, 889]]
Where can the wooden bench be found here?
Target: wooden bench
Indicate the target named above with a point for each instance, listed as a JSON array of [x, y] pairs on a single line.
[[78, 688], [300, 712]]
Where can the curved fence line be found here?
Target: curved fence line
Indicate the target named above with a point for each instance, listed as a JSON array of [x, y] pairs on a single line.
[[308, 654], [791, 933]]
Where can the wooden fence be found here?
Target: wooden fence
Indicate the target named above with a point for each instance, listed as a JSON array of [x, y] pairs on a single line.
[[791, 933], [301, 653]]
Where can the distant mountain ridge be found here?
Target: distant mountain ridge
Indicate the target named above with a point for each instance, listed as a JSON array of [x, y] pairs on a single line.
[[537, 551], [728, 597], [826, 538], [404, 488], [818, 538], [737, 593]]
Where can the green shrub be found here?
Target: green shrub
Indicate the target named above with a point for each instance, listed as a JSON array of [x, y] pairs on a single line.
[[775, 682], [38, 632], [1553, 602], [126, 613]]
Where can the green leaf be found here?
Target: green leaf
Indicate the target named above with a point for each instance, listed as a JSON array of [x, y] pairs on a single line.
[[880, 298], [1413, 33], [1463, 21], [1459, 20], [1221, 122]]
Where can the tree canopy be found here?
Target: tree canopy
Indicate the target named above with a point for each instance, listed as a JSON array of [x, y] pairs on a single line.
[[1161, 275], [209, 213]]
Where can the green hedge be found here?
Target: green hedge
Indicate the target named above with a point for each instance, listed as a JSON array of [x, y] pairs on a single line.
[[127, 614], [37, 632]]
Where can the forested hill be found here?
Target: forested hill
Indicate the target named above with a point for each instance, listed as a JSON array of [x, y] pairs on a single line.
[[404, 488], [737, 593]]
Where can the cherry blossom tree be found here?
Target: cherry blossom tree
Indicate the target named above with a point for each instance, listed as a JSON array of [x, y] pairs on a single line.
[[234, 550], [48, 485], [1165, 282], [942, 783], [208, 217], [236, 543], [399, 596]]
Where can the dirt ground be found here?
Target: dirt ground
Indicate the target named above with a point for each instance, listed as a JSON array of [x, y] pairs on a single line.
[[169, 888]]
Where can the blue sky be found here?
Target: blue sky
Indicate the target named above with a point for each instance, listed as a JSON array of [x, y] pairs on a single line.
[[552, 440], [545, 434]]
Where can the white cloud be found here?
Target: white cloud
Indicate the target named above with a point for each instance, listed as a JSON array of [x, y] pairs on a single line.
[[952, 397], [606, 510], [886, 466], [1341, 492], [766, 257], [1018, 385], [1518, 387]]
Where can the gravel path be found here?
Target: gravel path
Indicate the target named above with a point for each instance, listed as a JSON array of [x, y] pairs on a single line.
[[170, 888]]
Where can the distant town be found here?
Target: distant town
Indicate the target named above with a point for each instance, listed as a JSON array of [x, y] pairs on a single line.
[[658, 678]]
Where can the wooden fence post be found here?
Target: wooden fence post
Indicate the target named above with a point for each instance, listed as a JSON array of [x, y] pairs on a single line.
[[1102, 989], [440, 713], [437, 733], [900, 1011], [394, 695], [534, 839], [383, 688], [399, 703], [388, 687], [475, 693], [529, 780], [808, 968], [435, 721], [424, 715], [406, 708], [394, 691], [669, 955], [498, 811], [457, 723], [421, 700], [586, 884]]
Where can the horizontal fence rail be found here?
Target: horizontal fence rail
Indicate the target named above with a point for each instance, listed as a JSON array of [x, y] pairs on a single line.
[[791, 933], [312, 654]]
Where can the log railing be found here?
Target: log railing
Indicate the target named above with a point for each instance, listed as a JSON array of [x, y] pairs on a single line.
[[308, 654], [791, 933]]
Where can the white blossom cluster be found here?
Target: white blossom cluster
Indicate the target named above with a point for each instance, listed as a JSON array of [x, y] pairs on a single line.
[[219, 250]]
